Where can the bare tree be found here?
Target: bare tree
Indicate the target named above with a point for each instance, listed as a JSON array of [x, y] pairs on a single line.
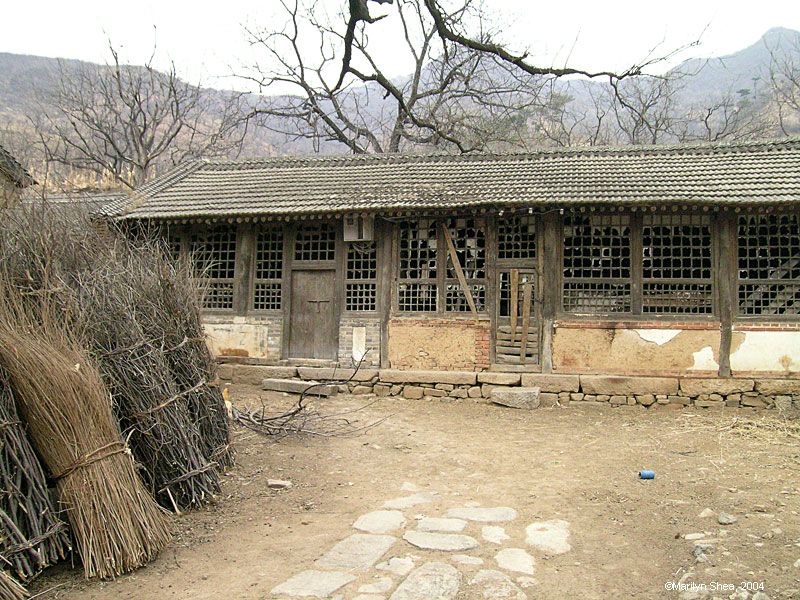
[[454, 98], [784, 86], [127, 122]]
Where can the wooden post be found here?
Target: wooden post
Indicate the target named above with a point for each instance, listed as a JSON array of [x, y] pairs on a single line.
[[384, 232], [550, 288], [491, 284], [526, 320], [726, 286], [289, 233], [462, 281], [513, 286]]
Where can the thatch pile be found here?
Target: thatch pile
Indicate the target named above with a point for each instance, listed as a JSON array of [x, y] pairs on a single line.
[[32, 536], [62, 399], [10, 588]]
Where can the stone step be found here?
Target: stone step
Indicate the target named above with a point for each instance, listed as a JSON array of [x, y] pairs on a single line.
[[516, 397], [296, 386], [336, 374]]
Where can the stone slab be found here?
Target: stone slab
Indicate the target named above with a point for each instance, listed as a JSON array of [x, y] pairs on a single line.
[[613, 385], [315, 584], [431, 581], [551, 537], [379, 585], [516, 560], [254, 374], [548, 382], [397, 565], [380, 521], [466, 559], [403, 376], [358, 551], [494, 585], [695, 386], [297, 386], [331, 374], [524, 397], [494, 534], [777, 387], [409, 501], [445, 542], [498, 378], [483, 515], [444, 525]]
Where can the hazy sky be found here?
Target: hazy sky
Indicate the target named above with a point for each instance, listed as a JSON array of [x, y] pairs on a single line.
[[206, 40]]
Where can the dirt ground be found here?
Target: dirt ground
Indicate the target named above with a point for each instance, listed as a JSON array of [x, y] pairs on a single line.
[[571, 463]]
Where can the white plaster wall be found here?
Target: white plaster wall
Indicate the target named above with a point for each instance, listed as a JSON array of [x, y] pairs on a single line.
[[767, 351], [242, 337]]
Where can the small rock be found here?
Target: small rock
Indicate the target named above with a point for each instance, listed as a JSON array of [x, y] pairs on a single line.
[[797, 564], [726, 519], [465, 559], [515, 559], [759, 596], [694, 536], [278, 484], [706, 513], [494, 534]]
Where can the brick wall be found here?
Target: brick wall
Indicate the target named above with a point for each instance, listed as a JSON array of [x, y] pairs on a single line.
[[372, 332]]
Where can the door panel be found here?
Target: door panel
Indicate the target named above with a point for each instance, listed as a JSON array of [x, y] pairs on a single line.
[[517, 339], [312, 329]]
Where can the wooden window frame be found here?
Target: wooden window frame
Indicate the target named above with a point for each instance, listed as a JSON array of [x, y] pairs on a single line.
[[636, 276], [186, 250], [738, 315], [253, 269], [375, 280]]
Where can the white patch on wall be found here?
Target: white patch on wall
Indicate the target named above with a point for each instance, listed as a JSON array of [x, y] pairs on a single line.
[[250, 338], [359, 343], [768, 351], [704, 360], [658, 336]]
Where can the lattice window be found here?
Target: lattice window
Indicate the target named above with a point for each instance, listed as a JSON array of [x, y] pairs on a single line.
[[268, 275], [417, 289], [676, 264], [516, 237], [361, 285], [597, 264], [469, 239], [315, 242], [769, 265], [213, 254]]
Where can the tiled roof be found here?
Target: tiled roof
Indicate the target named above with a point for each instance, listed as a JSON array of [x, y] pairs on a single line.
[[700, 174], [13, 170], [99, 204]]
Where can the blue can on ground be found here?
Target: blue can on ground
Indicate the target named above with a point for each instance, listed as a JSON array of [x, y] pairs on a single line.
[[647, 474]]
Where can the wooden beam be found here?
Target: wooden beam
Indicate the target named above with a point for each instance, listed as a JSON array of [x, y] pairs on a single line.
[[550, 287], [243, 270], [726, 247], [462, 281], [513, 285], [526, 320]]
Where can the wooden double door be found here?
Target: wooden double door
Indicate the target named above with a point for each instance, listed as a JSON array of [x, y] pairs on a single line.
[[313, 326]]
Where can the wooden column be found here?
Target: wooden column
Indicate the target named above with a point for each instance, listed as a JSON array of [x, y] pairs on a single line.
[[726, 286], [289, 232], [384, 232], [245, 256], [491, 284], [550, 284]]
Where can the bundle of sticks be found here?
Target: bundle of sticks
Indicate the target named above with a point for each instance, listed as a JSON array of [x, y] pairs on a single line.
[[62, 399], [32, 536]]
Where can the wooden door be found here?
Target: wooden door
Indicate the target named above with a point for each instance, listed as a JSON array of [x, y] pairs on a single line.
[[518, 325], [313, 328]]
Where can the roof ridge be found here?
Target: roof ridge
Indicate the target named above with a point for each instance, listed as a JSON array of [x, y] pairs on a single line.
[[140, 194]]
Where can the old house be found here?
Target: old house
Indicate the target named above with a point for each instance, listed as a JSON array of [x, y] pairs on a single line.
[[13, 178], [679, 261]]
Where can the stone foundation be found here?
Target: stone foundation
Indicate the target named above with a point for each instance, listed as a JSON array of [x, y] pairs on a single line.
[[556, 389]]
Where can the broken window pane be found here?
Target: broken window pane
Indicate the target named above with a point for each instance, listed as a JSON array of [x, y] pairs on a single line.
[[268, 270], [469, 239], [516, 237], [417, 290], [769, 264], [213, 253], [362, 274]]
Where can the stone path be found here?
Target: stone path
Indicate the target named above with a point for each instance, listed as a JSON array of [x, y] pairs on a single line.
[[440, 553]]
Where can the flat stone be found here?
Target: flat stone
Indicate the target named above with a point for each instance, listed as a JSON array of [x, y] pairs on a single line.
[[336, 374], [726, 519], [525, 398], [695, 386], [279, 484], [380, 521], [628, 386], [707, 512], [317, 584], [296, 386], [777, 387], [475, 392], [459, 393], [548, 399], [397, 565], [453, 377], [359, 551], [466, 559], [550, 537], [413, 392], [446, 542], [484, 515], [494, 534], [379, 586], [694, 536], [547, 382], [255, 374], [516, 560], [433, 580], [494, 585], [434, 393], [380, 389], [409, 501], [499, 378], [361, 390], [441, 524]]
